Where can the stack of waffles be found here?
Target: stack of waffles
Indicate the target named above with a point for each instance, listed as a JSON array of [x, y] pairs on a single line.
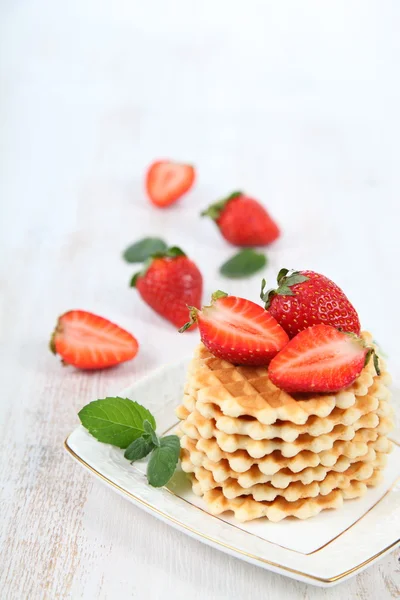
[[255, 450]]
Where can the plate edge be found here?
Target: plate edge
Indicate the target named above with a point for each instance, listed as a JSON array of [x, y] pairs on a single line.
[[326, 581]]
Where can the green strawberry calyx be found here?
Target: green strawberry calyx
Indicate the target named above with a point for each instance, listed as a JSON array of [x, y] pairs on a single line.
[[375, 358], [193, 311], [170, 253], [214, 210], [286, 279], [371, 350]]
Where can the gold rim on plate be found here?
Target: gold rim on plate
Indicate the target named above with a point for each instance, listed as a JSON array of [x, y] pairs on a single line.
[[217, 542]]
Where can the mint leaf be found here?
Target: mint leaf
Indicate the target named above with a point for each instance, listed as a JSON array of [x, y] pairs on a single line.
[[143, 249], [163, 461], [116, 421], [138, 449], [245, 263], [150, 433]]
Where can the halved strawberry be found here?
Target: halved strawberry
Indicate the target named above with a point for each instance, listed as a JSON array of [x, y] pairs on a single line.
[[238, 330], [88, 341], [167, 181], [320, 359]]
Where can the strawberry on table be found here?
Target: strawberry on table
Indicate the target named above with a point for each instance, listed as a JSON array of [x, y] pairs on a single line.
[[88, 341], [243, 221], [320, 359], [238, 330], [169, 282], [167, 181], [305, 298]]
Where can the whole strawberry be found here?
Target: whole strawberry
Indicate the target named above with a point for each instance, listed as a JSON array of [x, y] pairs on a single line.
[[243, 221], [304, 298], [170, 282]]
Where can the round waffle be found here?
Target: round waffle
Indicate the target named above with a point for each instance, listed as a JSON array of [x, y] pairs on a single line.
[[253, 449]]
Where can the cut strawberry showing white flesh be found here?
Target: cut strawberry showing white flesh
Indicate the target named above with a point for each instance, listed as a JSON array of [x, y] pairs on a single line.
[[320, 359], [88, 341], [238, 330]]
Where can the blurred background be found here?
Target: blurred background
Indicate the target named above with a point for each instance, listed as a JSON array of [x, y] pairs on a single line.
[[296, 103]]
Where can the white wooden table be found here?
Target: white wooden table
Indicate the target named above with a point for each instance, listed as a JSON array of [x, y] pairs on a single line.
[[296, 102]]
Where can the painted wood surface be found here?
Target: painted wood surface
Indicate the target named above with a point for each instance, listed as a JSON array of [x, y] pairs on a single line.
[[296, 103]]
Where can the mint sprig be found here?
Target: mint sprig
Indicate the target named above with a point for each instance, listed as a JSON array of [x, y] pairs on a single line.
[[163, 461], [138, 449], [151, 434], [116, 421], [127, 424]]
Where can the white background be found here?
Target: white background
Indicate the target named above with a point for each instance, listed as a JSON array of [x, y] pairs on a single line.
[[296, 103]]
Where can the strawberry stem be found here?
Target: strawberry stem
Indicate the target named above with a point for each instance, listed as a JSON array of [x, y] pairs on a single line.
[[193, 311], [193, 319], [214, 210], [286, 279], [218, 294], [58, 329], [371, 352], [134, 279], [172, 252], [52, 343], [376, 363]]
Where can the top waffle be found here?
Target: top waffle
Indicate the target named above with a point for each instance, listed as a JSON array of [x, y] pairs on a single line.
[[248, 391]]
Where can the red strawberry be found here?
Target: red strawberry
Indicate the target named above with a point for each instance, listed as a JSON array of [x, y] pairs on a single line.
[[88, 341], [167, 181], [305, 298], [243, 221], [238, 330], [168, 283], [320, 359]]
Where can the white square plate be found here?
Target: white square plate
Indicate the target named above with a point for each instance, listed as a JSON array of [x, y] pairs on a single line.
[[324, 550]]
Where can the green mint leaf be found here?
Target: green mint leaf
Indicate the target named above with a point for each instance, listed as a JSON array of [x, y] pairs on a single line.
[[148, 427], [163, 461], [245, 263], [138, 449], [116, 421], [151, 433], [143, 249]]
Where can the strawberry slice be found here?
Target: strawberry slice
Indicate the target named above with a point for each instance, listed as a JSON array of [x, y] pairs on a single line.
[[320, 359], [238, 330], [88, 341], [167, 181]]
